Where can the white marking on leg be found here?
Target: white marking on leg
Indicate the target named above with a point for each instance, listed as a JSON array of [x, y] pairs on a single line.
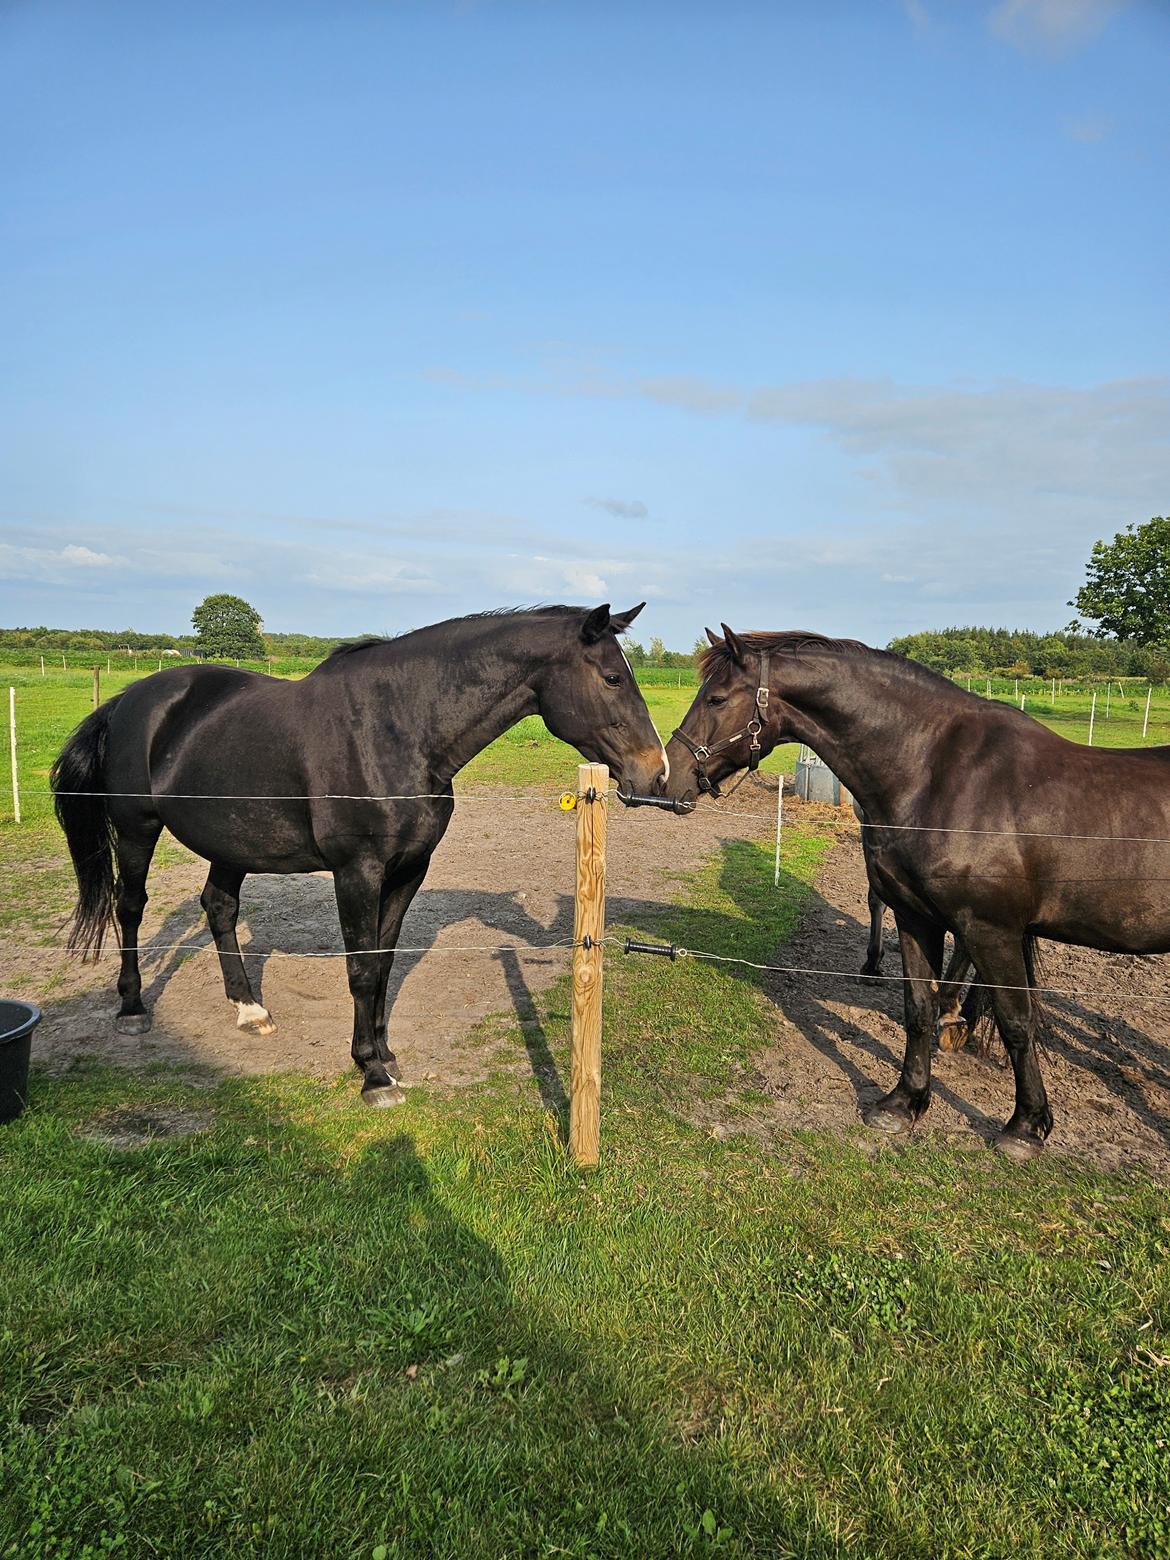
[[250, 1013]]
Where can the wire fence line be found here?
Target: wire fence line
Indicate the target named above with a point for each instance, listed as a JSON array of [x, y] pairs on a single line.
[[568, 945], [148, 950], [549, 800], [527, 951], [301, 796], [678, 952]]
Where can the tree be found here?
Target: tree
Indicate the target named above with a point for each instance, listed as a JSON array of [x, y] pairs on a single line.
[[635, 653], [227, 628], [657, 651], [1127, 592]]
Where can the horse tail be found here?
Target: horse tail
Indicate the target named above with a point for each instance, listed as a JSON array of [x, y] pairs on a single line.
[[77, 780], [980, 1013]]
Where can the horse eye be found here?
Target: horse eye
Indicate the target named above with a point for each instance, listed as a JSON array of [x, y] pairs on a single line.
[[717, 698], [614, 679]]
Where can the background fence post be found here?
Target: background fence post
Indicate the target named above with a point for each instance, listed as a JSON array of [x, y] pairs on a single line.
[[12, 752], [588, 921], [97, 686]]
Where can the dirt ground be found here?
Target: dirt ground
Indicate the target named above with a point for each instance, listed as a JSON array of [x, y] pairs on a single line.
[[839, 1043], [502, 878]]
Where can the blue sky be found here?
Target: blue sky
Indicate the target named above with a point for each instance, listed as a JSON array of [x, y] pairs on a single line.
[[850, 316]]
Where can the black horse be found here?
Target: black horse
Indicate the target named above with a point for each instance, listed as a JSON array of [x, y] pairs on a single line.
[[262, 775], [960, 1007], [979, 821]]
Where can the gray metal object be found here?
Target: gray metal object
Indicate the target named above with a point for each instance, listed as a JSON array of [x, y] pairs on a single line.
[[815, 781]]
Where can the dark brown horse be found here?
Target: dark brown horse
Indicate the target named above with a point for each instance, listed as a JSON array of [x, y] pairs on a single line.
[[979, 821], [959, 1007], [348, 770]]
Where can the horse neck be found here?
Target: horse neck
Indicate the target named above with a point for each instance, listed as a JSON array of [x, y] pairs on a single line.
[[472, 680], [856, 712]]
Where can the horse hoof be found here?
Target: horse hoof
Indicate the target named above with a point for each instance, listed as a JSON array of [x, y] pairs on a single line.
[[254, 1019], [132, 1023], [953, 1036], [883, 1120], [1020, 1149], [383, 1096]]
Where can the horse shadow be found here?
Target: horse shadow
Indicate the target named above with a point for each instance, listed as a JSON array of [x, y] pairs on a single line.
[[402, 1338], [828, 937], [268, 929]]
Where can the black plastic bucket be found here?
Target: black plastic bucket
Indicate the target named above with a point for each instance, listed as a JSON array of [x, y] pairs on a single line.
[[17, 1022]]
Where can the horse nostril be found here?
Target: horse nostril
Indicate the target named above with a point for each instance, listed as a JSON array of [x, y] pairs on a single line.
[[658, 787]]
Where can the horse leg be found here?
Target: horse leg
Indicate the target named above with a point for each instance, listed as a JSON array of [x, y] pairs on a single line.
[[221, 902], [130, 898], [1006, 966], [953, 1031], [922, 953], [396, 898], [874, 949], [371, 907]]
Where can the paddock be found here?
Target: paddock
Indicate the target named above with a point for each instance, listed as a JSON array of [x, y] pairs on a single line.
[[494, 923]]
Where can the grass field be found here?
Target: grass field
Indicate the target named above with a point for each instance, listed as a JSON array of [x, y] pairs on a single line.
[[309, 1329]]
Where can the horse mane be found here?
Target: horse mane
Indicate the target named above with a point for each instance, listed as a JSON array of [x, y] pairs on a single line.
[[793, 640], [373, 641], [800, 642]]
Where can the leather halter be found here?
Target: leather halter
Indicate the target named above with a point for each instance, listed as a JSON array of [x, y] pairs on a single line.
[[701, 753]]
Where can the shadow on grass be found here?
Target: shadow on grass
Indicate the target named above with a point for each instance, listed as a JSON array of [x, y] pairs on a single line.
[[289, 1344]]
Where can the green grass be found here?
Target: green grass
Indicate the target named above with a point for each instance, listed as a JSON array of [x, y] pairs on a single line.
[[311, 1329]]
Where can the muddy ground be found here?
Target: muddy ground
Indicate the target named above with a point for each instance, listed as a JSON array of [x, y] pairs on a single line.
[[502, 879]]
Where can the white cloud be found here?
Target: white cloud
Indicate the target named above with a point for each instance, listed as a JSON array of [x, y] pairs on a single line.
[[1007, 446], [370, 577], [917, 15], [621, 508], [51, 565], [86, 558], [1088, 131], [1050, 26]]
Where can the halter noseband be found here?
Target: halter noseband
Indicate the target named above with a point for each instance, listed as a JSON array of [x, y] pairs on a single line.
[[702, 753]]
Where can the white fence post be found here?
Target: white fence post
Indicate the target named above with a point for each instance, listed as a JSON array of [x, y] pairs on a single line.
[[1092, 716], [1146, 722], [12, 751], [779, 827]]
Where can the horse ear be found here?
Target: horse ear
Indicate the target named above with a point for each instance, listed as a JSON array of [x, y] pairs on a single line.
[[713, 636], [596, 624], [734, 645], [622, 620]]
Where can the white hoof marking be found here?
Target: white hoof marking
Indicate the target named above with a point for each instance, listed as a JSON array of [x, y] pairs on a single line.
[[250, 1015]]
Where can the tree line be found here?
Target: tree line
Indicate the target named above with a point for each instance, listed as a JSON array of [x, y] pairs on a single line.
[[1126, 593], [111, 641], [1018, 652]]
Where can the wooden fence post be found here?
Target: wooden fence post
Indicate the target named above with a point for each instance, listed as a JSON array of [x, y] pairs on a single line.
[[588, 969], [97, 686]]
